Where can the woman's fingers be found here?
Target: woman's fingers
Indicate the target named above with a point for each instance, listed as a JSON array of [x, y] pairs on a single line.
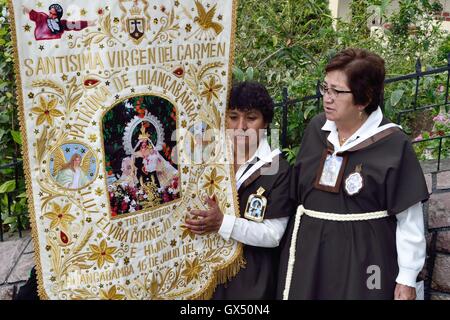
[[199, 213], [211, 202], [195, 222]]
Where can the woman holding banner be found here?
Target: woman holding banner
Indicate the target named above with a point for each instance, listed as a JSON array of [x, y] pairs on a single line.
[[262, 178]]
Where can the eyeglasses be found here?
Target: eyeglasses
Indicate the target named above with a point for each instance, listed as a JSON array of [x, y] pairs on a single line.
[[333, 93]]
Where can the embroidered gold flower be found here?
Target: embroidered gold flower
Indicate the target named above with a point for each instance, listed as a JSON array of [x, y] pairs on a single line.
[[60, 216], [111, 294], [212, 181], [192, 270], [98, 191], [46, 111], [187, 233], [211, 89], [102, 253]]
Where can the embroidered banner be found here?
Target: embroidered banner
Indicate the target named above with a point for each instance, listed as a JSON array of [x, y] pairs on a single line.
[[114, 97]]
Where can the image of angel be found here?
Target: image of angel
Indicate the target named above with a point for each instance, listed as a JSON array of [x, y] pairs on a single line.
[[70, 169], [140, 166], [50, 25]]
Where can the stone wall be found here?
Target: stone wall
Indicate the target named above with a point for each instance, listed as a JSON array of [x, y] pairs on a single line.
[[437, 223]]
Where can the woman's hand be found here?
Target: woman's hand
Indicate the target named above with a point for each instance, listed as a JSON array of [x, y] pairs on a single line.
[[207, 220], [403, 292]]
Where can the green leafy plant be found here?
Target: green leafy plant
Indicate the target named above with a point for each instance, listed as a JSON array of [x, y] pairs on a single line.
[[289, 42], [12, 197], [429, 150]]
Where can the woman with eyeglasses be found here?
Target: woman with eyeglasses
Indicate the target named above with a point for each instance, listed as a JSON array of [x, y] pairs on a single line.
[[358, 232]]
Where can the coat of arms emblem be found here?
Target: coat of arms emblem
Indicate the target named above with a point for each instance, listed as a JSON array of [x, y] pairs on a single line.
[[135, 20]]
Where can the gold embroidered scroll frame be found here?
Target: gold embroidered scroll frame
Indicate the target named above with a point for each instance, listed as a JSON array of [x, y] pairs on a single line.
[[111, 95]]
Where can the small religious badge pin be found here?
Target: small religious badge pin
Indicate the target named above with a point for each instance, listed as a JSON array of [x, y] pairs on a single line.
[[354, 181], [256, 206]]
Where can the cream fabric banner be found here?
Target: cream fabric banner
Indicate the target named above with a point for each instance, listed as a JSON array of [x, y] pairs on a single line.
[[115, 97]]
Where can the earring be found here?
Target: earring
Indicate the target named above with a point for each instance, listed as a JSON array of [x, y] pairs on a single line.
[[360, 115]]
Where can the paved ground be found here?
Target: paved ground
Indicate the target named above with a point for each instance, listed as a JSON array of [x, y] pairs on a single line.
[[16, 261]]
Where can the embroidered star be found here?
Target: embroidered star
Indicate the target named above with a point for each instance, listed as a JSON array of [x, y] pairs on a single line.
[[40, 194], [31, 95], [94, 123], [83, 150], [103, 205], [132, 90], [64, 77], [36, 131], [93, 138], [70, 36], [219, 17], [101, 46], [41, 47], [67, 150], [83, 12], [107, 83], [116, 20], [100, 176], [27, 28], [117, 97], [68, 126], [183, 123]]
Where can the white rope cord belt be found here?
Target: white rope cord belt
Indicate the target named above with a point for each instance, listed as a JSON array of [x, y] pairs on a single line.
[[325, 216]]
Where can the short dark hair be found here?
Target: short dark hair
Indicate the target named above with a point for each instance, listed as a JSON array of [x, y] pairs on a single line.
[[250, 95], [59, 10], [365, 72]]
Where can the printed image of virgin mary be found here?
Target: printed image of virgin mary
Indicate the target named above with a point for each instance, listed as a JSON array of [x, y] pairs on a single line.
[[71, 174], [140, 155], [151, 166]]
